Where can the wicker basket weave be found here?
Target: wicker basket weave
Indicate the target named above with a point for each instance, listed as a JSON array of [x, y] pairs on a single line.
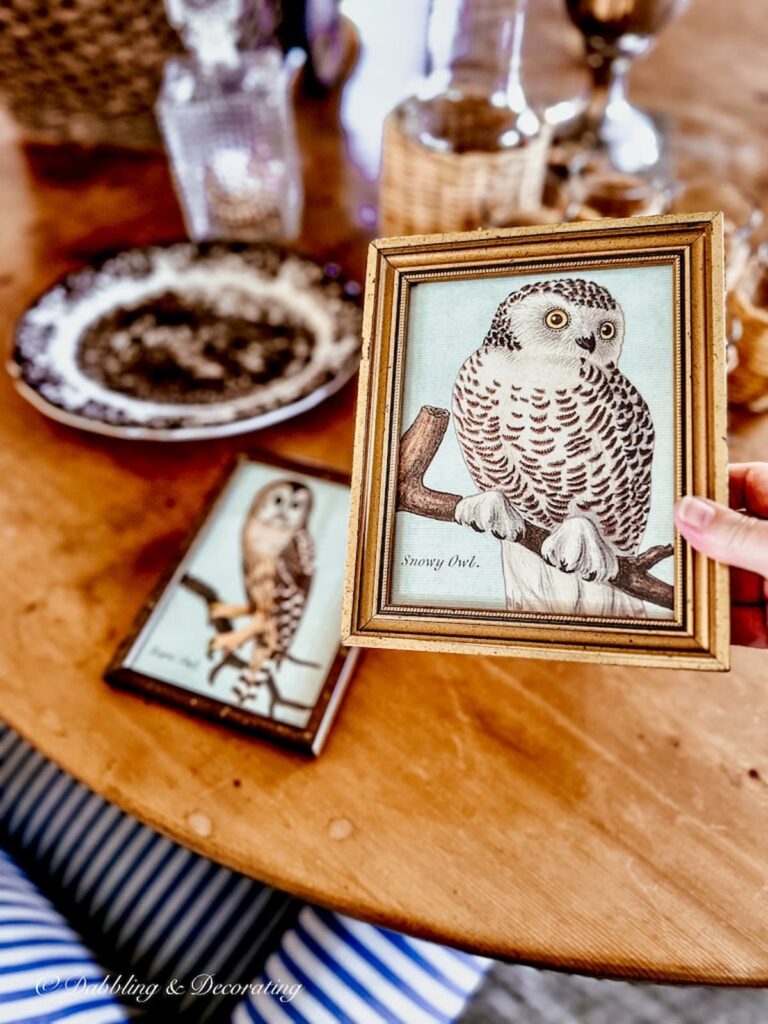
[[89, 70], [424, 191], [748, 382]]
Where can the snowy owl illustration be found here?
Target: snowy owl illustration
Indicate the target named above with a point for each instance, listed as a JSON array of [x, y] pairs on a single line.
[[554, 434], [278, 567]]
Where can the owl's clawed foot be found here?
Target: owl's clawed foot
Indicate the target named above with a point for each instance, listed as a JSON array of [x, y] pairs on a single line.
[[576, 545], [228, 642], [226, 610], [490, 512]]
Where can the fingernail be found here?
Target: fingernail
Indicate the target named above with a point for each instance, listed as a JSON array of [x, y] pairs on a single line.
[[696, 513]]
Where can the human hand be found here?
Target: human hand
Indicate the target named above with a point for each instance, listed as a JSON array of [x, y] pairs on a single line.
[[738, 537]]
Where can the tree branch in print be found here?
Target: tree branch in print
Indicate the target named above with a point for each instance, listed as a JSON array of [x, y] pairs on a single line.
[[418, 447]]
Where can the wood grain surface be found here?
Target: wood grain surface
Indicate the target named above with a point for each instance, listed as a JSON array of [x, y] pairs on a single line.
[[608, 820]]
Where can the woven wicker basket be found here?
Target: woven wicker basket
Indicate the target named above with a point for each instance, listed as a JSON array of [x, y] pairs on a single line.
[[89, 70], [424, 191], [748, 382]]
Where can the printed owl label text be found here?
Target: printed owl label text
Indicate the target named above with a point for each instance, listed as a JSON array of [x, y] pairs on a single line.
[[438, 564], [185, 660]]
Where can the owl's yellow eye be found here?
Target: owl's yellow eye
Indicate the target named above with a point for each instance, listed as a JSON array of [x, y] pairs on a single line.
[[556, 319], [607, 330]]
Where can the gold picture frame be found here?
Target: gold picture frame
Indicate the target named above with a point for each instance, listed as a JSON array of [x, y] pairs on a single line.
[[392, 456]]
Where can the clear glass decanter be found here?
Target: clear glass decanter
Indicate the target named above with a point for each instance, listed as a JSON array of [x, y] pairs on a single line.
[[227, 121], [472, 118]]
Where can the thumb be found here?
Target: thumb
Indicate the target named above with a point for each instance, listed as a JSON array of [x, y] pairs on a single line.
[[727, 536]]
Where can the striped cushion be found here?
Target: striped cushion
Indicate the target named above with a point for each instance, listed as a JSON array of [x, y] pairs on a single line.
[[38, 950], [331, 968], [162, 912], [150, 906]]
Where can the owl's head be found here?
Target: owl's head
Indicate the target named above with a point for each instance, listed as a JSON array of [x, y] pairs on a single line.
[[284, 504], [568, 319]]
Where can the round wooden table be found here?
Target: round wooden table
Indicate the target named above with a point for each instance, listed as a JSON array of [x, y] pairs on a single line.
[[607, 820]]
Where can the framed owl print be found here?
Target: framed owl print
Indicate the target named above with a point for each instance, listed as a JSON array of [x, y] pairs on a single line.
[[245, 628], [532, 404]]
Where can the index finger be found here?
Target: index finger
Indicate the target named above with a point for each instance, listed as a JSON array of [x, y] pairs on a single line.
[[748, 487]]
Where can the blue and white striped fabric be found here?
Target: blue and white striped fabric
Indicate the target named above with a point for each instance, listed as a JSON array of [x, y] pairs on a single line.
[[160, 912], [331, 968], [149, 906], [38, 950]]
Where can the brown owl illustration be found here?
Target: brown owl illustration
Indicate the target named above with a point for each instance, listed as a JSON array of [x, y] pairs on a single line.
[[278, 566]]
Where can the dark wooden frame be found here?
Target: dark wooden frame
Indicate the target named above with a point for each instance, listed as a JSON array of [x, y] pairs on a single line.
[[119, 675]]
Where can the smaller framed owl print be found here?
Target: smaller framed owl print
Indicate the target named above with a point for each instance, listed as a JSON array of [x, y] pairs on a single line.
[[532, 404], [245, 629]]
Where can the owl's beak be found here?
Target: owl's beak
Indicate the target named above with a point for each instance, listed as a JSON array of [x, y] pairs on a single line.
[[587, 343]]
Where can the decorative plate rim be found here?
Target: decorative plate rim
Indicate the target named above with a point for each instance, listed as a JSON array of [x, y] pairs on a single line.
[[17, 359]]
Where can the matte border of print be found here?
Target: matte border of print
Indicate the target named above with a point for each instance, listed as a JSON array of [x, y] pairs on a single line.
[[544, 389]]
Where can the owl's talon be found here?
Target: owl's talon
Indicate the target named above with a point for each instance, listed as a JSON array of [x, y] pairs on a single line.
[[490, 512], [576, 545], [227, 642]]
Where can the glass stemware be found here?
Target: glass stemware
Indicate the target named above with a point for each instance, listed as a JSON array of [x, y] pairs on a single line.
[[594, 188], [616, 32]]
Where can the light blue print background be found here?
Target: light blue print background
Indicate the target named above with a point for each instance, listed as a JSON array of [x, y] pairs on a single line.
[[173, 645], [447, 322]]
